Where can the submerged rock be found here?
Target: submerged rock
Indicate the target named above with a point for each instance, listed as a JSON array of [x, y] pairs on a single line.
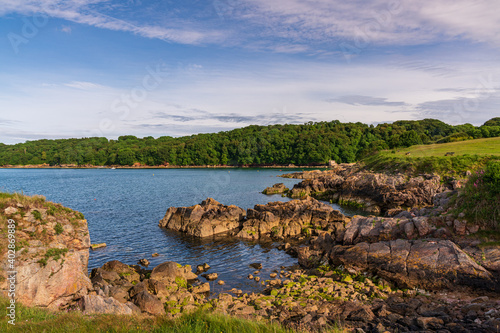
[[144, 262], [210, 276], [256, 265]]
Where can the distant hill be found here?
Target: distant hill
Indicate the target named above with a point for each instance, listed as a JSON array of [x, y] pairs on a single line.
[[310, 143]]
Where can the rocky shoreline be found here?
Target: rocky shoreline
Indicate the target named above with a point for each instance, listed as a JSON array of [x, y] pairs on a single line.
[[414, 269], [376, 193]]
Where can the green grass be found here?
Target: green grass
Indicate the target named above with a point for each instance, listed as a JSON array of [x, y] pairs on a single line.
[[489, 146], [479, 199], [454, 166], [37, 215], [35, 320], [58, 228], [468, 155], [54, 254]]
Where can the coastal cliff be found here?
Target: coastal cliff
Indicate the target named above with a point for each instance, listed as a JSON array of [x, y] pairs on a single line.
[[51, 251]]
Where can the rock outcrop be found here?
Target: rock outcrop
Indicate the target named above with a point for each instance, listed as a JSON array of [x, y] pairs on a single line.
[[278, 220], [373, 229], [291, 219], [279, 188], [430, 264], [410, 250], [52, 250], [207, 219], [377, 193]]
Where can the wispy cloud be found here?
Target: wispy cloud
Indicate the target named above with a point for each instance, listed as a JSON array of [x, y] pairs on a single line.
[[66, 28], [461, 110], [7, 122], [191, 115], [83, 85], [401, 22], [365, 100], [284, 26], [87, 12]]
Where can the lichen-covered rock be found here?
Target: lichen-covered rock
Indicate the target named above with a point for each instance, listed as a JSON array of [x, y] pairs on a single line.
[[373, 192], [275, 219], [52, 251], [489, 257], [420, 263], [288, 219], [124, 271], [149, 303], [276, 189], [204, 220], [374, 229], [169, 271]]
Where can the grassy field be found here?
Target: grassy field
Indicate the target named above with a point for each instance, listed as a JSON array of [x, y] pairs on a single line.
[[489, 146], [469, 155]]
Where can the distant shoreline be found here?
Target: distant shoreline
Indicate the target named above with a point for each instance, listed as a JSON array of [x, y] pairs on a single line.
[[71, 166]]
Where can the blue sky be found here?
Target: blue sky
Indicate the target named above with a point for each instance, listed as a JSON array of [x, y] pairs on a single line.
[[80, 68]]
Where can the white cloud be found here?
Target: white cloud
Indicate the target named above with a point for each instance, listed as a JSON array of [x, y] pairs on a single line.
[[215, 99], [401, 22], [83, 85], [81, 11], [292, 26], [67, 29]]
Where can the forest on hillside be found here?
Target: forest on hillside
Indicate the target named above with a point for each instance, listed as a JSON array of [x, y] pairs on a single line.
[[310, 143]]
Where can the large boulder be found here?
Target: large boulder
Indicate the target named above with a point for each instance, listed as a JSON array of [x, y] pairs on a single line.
[[170, 271], [92, 304], [207, 219], [149, 304], [122, 270]]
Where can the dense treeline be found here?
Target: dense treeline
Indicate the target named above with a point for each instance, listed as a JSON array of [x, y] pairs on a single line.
[[274, 144]]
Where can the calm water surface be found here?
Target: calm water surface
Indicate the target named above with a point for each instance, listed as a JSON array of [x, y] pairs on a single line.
[[123, 208]]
